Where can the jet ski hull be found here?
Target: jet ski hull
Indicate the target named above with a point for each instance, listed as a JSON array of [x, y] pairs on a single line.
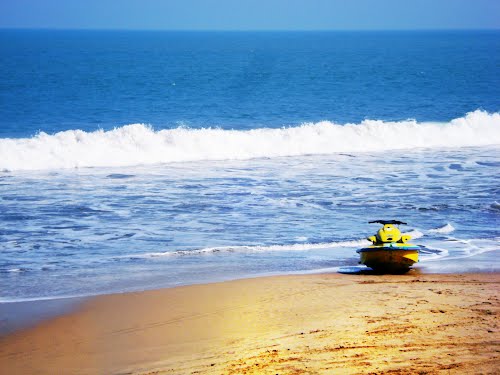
[[389, 257]]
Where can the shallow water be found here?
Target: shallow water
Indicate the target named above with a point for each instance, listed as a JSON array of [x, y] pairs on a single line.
[[98, 230]]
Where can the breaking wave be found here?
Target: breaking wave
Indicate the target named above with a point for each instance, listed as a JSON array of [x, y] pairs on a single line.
[[448, 228], [139, 144]]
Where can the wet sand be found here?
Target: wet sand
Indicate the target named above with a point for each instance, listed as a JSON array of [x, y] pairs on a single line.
[[307, 324], [18, 315]]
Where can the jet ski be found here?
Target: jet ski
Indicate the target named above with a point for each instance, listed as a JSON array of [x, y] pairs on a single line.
[[390, 250]]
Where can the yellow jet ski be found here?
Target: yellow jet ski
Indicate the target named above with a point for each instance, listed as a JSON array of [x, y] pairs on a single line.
[[390, 250]]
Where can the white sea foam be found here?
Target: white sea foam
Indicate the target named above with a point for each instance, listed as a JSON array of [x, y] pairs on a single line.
[[301, 239], [15, 270], [448, 228], [464, 249], [435, 255], [139, 144], [415, 234], [269, 248], [256, 249]]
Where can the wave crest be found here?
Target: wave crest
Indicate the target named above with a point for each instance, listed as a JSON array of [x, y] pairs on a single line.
[[448, 228], [139, 144]]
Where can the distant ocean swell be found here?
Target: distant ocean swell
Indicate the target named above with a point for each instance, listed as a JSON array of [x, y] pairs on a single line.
[[139, 144]]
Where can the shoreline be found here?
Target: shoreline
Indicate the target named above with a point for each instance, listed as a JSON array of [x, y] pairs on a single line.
[[24, 314], [311, 323], [21, 315]]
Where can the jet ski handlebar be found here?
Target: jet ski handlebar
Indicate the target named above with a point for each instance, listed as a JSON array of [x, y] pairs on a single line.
[[383, 222]]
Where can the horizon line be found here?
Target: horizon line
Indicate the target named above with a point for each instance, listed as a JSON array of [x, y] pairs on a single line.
[[243, 30]]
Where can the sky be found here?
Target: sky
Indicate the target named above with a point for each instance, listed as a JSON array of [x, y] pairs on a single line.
[[251, 14]]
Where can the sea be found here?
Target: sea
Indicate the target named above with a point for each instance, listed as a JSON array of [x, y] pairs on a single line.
[[135, 160]]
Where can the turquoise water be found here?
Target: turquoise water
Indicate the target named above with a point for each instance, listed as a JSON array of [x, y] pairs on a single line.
[[136, 160]]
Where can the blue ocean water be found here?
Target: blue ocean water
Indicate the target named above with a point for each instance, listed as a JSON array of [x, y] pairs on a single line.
[[136, 160]]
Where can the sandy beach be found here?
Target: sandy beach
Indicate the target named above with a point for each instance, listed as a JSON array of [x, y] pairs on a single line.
[[306, 324]]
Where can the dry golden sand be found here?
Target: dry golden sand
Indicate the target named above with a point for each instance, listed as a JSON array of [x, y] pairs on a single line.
[[310, 324]]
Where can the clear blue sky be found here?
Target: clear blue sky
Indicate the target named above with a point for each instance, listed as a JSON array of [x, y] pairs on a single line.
[[251, 14]]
